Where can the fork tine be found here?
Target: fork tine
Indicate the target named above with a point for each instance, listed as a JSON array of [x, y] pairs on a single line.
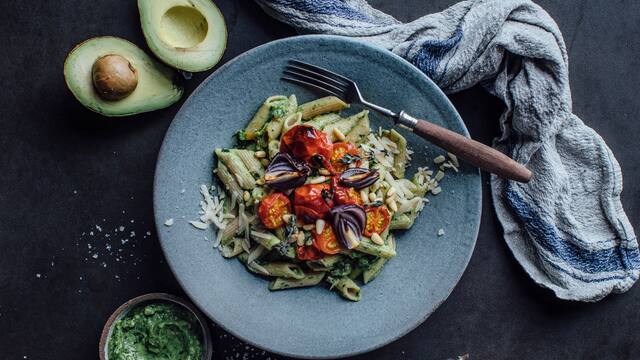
[[317, 75], [323, 71], [314, 80], [307, 84]]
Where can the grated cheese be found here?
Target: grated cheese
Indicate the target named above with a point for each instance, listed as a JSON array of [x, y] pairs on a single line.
[[199, 225]]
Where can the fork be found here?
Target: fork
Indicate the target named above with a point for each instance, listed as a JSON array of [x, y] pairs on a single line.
[[469, 150]]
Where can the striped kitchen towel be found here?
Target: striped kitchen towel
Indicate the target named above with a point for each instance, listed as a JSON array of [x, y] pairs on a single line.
[[566, 227]]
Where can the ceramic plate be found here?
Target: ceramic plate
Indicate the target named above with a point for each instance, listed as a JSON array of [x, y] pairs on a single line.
[[313, 322]]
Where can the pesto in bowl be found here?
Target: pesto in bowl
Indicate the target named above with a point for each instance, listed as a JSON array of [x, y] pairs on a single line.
[[156, 331]]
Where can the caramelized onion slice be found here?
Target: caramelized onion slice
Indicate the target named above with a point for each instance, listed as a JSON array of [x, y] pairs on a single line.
[[285, 172]]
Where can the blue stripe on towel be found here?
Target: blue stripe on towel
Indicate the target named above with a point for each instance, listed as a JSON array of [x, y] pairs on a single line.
[[618, 258], [592, 279], [431, 52]]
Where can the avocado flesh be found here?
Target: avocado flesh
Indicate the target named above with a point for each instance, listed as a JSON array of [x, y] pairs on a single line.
[[156, 88], [189, 35]]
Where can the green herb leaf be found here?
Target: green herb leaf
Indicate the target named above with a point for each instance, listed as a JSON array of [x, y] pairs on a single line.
[[348, 159]]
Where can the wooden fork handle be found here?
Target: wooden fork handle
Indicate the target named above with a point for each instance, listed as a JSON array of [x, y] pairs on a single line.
[[471, 151]]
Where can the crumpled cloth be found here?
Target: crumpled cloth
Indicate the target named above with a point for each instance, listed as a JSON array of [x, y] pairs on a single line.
[[566, 227]]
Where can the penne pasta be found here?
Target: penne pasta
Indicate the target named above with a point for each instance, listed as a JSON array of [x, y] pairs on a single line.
[[321, 106], [319, 122], [372, 272], [237, 168], [250, 161], [228, 180], [309, 279], [344, 125], [263, 115], [345, 287]]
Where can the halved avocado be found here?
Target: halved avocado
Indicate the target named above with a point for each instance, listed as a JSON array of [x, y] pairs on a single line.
[[155, 88], [189, 35]]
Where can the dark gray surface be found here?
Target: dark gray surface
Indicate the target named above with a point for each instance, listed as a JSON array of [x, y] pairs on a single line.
[[52, 146]]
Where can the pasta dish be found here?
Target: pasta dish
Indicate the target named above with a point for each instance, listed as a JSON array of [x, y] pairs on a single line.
[[310, 196]]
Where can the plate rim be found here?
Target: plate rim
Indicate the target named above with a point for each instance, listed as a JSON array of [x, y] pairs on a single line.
[[159, 226]]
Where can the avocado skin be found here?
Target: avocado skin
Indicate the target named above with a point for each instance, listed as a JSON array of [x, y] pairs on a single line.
[[158, 86], [163, 40]]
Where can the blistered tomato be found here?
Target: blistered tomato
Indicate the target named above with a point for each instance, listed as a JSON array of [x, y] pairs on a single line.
[[306, 142], [312, 202], [378, 219], [271, 209], [343, 195], [338, 160], [326, 241]]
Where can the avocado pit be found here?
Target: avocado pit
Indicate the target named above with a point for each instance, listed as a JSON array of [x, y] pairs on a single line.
[[114, 78]]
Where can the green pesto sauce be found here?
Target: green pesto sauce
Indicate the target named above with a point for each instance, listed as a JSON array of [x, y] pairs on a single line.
[[158, 331]]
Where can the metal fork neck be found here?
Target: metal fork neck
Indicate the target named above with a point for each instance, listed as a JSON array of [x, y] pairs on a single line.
[[407, 120], [380, 109]]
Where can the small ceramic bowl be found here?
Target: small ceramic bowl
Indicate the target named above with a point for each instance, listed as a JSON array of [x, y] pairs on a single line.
[[155, 297]]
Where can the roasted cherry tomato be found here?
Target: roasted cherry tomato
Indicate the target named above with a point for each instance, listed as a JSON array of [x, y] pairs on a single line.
[[377, 220], [326, 241], [306, 142], [271, 209], [310, 204], [339, 150], [308, 253], [343, 195]]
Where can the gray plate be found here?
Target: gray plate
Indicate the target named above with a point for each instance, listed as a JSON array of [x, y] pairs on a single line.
[[313, 323]]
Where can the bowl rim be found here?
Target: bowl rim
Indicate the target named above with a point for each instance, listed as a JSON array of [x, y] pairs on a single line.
[[132, 303], [356, 42]]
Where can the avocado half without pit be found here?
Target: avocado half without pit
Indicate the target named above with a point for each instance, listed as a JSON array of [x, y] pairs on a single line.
[[189, 35], [114, 77]]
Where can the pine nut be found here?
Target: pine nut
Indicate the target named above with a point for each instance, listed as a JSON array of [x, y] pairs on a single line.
[[391, 192], [392, 205], [308, 227], [352, 237], [246, 196], [372, 196], [287, 218], [364, 195], [374, 186], [317, 180], [300, 239], [338, 134], [264, 162], [260, 154], [260, 181], [439, 159], [377, 239], [324, 171], [454, 159], [319, 226]]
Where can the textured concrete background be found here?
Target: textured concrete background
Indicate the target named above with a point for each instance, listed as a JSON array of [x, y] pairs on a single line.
[[64, 169]]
